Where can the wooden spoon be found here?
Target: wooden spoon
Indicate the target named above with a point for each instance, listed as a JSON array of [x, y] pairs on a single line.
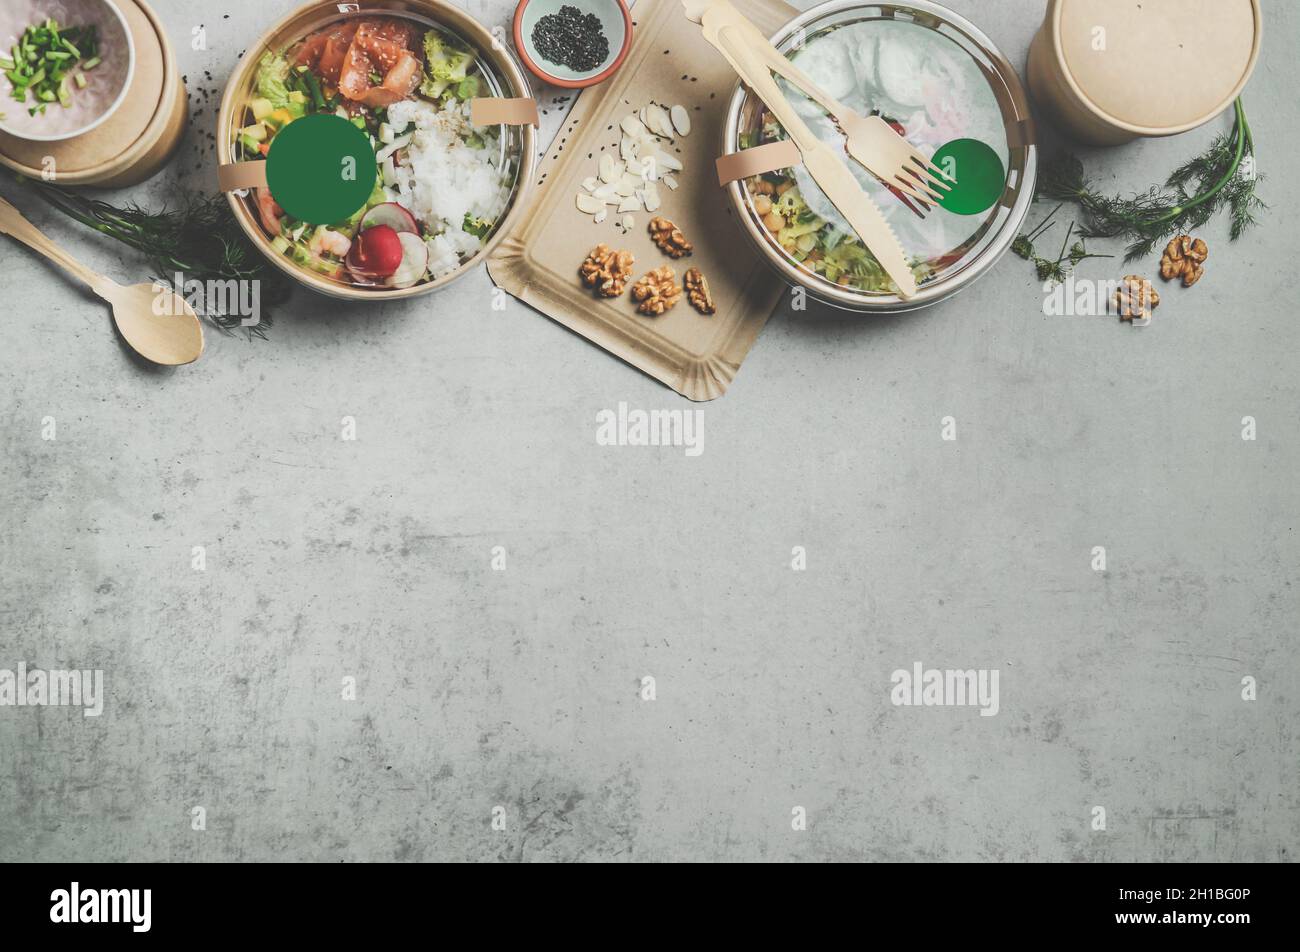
[[165, 332]]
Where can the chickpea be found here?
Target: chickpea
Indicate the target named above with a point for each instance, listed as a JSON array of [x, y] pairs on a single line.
[[762, 205], [774, 222]]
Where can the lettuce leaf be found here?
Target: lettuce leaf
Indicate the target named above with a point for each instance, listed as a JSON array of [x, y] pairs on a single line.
[[272, 79]]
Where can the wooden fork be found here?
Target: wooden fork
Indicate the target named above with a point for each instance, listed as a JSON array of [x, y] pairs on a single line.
[[872, 141]]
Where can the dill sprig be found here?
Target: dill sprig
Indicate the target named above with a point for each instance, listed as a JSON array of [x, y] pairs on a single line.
[[198, 238], [1222, 176], [1048, 269]]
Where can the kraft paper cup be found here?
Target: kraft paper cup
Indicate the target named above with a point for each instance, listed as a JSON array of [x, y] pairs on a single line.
[[1110, 71], [137, 140]]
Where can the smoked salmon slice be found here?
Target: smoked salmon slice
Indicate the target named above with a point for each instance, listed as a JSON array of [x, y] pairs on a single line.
[[381, 48], [336, 50], [324, 51], [350, 55], [397, 85]]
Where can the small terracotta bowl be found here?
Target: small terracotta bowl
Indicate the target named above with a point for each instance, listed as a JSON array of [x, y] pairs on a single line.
[[614, 17]]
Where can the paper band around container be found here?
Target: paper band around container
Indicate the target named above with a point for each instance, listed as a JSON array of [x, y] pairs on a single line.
[[485, 111], [782, 154], [502, 111], [240, 175]]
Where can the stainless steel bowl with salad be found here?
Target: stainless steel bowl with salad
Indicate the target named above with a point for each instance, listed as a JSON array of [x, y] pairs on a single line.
[[935, 78], [404, 73]]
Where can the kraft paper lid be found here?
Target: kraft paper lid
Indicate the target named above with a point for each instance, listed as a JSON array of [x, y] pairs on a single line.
[[120, 131], [1158, 64]]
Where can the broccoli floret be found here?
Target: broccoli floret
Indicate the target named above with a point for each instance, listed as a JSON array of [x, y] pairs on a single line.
[[446, 61]]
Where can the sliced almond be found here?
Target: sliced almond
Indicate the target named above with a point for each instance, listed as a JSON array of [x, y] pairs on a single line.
[[650, 197], [632, 126], [669, 162], [628, 180], [681, 120], [607, 170], [658, 121]]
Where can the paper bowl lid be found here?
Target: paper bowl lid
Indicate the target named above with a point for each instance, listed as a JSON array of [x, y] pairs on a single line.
[[1158, 64], [115, 136]]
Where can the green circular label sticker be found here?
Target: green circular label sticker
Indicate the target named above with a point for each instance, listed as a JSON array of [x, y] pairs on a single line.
[[979, 176], [321, 169]]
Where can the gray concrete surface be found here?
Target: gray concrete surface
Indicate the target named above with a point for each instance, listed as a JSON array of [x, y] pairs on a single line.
[[521, 689]]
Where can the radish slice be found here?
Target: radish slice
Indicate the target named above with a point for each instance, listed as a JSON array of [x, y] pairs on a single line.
[[393, 215], [415, 262]]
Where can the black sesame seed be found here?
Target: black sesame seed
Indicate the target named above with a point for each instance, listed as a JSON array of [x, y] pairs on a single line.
[[571, 38]]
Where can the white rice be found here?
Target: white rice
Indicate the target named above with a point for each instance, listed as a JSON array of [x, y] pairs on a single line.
[[442, 178]]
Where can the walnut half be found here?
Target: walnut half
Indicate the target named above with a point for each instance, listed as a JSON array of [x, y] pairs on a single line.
[[697, 291], [1136, 298], [656, 292], [1184, 258], [669, 238], [606, 271]]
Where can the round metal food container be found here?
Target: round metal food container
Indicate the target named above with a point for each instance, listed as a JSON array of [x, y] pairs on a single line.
[[504, 75], [992, 231]]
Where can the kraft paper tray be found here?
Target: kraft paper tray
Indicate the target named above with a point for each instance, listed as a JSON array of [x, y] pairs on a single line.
[[697, 356]]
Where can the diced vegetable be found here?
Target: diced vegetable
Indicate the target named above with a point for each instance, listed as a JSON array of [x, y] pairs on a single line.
[[279, 118], [314, 91], [44, 59], [400, 142], [261, 108]]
